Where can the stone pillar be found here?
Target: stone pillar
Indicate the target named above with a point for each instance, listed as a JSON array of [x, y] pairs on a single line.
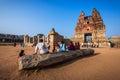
[[33, 39], [29, 40], [38, 39], [83, 37], [48, 39], [26, 39], [52, 42], [43, 37]]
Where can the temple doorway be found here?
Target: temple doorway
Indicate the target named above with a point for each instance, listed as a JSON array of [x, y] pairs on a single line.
[[88, 37]]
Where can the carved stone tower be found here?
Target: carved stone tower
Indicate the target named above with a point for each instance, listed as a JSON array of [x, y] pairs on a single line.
[[53, 38], [90, 28]]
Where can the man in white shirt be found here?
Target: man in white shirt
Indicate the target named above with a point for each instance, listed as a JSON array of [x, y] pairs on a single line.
[[41, 48]]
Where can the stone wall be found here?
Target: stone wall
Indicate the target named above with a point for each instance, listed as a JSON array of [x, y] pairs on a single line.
[[115, 41]]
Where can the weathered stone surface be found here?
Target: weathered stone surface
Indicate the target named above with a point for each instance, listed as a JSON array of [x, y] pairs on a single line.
[[38, 61], [93, 26]]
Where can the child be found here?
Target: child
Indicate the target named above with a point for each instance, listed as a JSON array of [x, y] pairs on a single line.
[[21, 53]]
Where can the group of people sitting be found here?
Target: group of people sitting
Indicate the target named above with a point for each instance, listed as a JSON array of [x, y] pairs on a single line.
[[75, 46], [41, 48]]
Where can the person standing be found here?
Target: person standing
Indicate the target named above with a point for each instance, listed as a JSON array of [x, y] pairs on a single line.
[[14, 44], [22, 45], [109, 44]]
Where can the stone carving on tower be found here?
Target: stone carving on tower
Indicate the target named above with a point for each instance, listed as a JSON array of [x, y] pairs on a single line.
[[90, 25]]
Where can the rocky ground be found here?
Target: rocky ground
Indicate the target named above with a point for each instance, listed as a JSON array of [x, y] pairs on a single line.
[[104, 65]]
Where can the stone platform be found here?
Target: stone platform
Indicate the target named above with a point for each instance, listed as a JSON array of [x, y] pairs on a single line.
[[43, 60]]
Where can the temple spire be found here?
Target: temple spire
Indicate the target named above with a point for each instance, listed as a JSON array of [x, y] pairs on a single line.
[[82, 13], [95, 13], [53, 29]]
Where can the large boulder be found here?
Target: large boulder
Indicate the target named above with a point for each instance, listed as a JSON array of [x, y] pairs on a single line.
[[43, 60]]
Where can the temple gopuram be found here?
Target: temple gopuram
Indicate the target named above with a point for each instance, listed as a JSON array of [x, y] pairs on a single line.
[[90, 28]]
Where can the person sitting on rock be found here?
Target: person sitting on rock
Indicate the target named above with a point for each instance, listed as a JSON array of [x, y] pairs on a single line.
[[78, 46], [71, 46], [41, 48], [21, 53], [62, 47]]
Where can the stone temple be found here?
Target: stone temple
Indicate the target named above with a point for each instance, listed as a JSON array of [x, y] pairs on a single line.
[[90, 28]]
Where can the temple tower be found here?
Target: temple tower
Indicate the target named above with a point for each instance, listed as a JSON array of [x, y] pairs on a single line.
[[90, 28], [53, 38]]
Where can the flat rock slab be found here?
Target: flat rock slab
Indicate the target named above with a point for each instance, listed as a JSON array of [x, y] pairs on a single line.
[[43, 60]]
